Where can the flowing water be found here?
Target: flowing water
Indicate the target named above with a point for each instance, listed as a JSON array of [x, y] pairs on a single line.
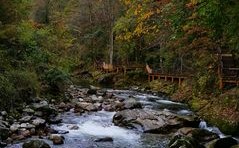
[[99, 124]]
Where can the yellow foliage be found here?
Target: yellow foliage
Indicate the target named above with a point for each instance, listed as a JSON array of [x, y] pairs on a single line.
[[142, 12]]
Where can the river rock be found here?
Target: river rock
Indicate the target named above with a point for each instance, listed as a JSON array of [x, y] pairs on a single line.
[[56, 139], [86, 106], [14, 127], [62, 132], [29, 111], [201, 135], [27, 125], [38, 122], [4, 113], [96, 99], [38, 113], [151, 121], [226, 142], [2, 144], [104, 139], [73, 127], [35, 144], [106, 79], [62, 105], [33, 131], [92, 92], [118, 106], [45, 108], [25, 133], [132, 103], [180, 141], [108, 107], [42, 104], [4, 131], [25, 119], [17, 137], [55, 120], [4, 123]]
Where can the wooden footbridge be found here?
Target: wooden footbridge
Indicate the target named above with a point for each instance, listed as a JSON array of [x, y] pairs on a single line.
[[228, 70], [109, 68], [158, 74]]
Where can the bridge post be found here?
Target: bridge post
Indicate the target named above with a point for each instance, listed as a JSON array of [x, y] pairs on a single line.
[[220, 83]]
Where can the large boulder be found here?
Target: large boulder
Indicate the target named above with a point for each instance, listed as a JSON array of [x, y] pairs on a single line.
[[151, 121], [202, 135], [132, 103], [180, 141], [35, 144], [225, 142]]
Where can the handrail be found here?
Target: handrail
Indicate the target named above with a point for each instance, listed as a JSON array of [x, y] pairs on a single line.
[[149, 70]]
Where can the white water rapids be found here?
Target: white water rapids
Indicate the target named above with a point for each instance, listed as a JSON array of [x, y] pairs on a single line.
[[91, 126]]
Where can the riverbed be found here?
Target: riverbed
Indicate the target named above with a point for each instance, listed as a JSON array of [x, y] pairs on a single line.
[[94, 125]]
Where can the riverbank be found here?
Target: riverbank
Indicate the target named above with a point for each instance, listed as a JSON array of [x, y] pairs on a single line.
[[110, 118], [220, 108]]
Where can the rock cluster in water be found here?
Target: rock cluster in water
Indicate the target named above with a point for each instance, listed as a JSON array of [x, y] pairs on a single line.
[[37, 117]]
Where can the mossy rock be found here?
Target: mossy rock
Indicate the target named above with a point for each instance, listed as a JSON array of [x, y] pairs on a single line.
[[235, 146], [35, 144], [226, 142], [180, 141], [225, 126]]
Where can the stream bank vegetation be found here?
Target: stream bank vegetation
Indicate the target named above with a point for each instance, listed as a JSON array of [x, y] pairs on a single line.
[[45, 45]]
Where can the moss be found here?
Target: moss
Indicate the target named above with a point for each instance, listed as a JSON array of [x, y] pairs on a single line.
[[132, 78], [163, 86], [197, 103], [223, 124]]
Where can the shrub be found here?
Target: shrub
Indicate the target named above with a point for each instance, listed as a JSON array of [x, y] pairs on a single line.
[[25, 83], [57, 80], [7, 93]]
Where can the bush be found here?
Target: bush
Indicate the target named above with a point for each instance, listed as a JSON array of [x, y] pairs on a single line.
[[57, 80], [25, 83], [7, 93], [205, 83], [17, 87]]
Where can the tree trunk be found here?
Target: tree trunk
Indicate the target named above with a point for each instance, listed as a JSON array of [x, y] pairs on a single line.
[[111, 46], [111, 37]]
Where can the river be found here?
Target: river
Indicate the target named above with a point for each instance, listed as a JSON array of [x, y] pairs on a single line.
[[99, 124]]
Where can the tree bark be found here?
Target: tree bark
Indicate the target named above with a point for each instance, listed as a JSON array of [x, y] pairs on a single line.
[[111, 49]]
